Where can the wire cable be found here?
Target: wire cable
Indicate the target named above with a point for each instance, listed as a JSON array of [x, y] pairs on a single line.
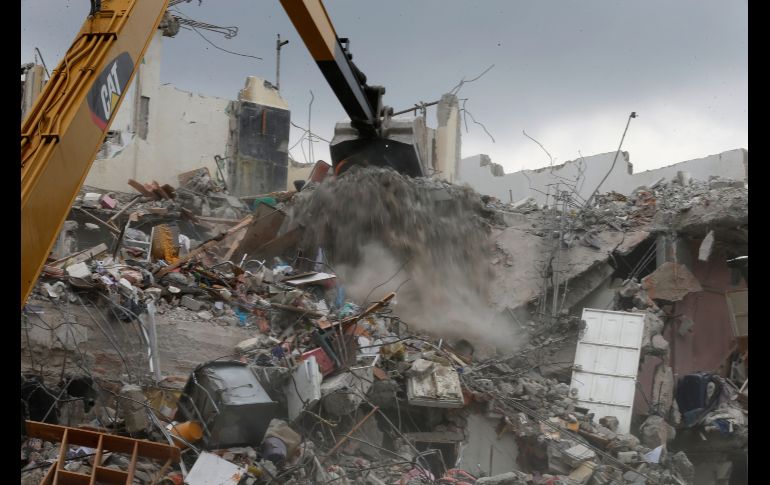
[[216, 46]]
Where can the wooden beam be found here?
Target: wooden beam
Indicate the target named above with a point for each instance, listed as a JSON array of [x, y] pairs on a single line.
[[80, 256], [141, 189], [206, 245], [124, 208], [102, 223]]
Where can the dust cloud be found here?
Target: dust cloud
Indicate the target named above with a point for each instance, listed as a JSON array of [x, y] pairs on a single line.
[[424, 239]]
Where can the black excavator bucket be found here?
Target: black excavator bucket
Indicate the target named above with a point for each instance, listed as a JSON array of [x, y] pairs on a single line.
[[397, 150]]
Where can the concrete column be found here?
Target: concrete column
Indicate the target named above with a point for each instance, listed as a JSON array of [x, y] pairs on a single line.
[[33, 86], [448, 137]]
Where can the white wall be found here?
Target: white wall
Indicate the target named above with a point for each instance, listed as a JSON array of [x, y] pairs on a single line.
[[448, 137], [481, 442], [185, 131], [534, 183]]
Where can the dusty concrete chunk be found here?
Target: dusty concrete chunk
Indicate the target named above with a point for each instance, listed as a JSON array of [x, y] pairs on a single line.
[[610, 422], [659, 343], [632, 477], [685, 325], [655, 431], [583, 473], [79, 270], [191, 303], [131, 402], [683, 467], [625, 442], [722, 183], [253, 343], [578, 454], [653, 325], [629, 289], [343, 393], [663, 388], [671, 282], [205, 315], [684, 178]]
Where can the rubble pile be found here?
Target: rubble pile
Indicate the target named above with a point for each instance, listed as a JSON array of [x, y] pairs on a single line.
[[664, 203], [367, 350]]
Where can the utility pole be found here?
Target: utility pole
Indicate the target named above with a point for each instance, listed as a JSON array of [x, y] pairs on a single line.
[[278, 45]]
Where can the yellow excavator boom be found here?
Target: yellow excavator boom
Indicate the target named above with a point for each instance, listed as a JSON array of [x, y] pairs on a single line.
[[66, 126]]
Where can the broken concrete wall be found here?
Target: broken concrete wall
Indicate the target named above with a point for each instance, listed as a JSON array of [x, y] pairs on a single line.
[[165, 115], [483, 451], [732, 164], [704, 345], [61, 332], [487, 179], [259, 141], [534, 183], [709, 342], [519, 279]]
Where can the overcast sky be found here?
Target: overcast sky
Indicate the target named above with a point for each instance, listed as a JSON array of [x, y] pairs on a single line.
[[569, 73]]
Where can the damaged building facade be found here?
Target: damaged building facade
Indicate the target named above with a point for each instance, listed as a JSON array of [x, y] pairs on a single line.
[[198, 323], [489, 178], [363, 367], [242, 142]]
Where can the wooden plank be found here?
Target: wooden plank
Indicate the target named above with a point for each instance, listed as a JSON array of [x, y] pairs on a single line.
[[132, 465], [80, 256], [63, 450], [277, 245], [110, 475], [206, 245], [97, 460], [48, 478], [141, 189], [186, 176], [64, 477], [263, 229], [234, 245], [107, 226], [157, 187], [124, 208]]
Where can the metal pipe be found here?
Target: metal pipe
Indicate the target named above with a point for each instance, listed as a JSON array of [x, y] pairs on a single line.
[[278, 45]]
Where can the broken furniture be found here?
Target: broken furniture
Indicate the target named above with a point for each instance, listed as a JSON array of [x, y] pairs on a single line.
[[434, 385], [228, 400], [101, 443]]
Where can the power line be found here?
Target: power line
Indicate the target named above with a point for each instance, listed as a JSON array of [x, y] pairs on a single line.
[[216, 46], [462, 82]]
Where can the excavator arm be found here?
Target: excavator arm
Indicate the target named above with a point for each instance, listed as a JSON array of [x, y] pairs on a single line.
[[65, 128], [370, 138]]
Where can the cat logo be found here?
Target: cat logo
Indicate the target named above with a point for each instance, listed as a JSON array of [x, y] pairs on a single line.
[[108, 88]]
